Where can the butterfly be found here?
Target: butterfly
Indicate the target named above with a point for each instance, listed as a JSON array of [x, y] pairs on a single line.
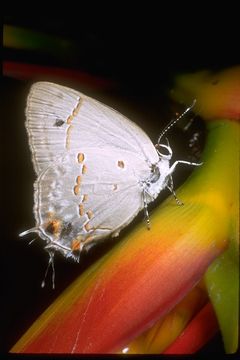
[[96, 169]]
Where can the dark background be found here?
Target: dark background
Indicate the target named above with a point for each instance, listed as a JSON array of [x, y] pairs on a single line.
[[138, 62]]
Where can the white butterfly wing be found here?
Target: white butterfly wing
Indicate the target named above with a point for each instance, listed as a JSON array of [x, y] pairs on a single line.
[[90, 162], [77, 202], [60, 119]]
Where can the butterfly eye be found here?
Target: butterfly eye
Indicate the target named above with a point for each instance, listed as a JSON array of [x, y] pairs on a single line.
[[155, 174], [167, 151]]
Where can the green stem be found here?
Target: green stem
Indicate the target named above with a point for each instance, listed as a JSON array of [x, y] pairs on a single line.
[[222, 277]]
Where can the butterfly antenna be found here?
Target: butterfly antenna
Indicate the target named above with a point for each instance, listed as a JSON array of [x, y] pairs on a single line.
[[173, 122]]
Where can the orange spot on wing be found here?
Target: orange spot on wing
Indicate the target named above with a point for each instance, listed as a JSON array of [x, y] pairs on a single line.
[[87, 226], [121, 164], [54, 226], [90, 214], [75, 245], [69, 119], [76, 189], [80, 157], [68, 136], [77, 108], [85, 198], [84, 169], [81, 210], [78, 180]]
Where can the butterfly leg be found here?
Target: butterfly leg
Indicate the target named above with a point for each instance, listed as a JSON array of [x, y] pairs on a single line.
[[146, 214], [171, 189], [172, 168]]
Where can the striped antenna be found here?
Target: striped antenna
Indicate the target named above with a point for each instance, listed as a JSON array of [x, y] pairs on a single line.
[[173, 122]]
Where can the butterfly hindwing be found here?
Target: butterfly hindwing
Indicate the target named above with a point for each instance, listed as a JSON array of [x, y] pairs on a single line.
[[84, 198]]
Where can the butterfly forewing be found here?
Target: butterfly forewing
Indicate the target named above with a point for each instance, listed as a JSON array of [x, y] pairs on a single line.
[[60, 120]]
